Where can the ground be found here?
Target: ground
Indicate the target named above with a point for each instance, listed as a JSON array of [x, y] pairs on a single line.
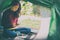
[[29, 21]]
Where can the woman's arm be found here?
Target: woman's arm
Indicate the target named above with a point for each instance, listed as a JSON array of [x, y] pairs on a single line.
[[13, 20]]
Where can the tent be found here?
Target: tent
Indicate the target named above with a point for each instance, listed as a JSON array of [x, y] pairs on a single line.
[[54, 33]]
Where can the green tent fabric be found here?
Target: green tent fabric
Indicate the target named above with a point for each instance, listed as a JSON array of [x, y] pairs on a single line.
[[54, 33], [3, 5]]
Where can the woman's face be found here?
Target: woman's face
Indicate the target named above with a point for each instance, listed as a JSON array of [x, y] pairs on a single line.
[[15, 7]]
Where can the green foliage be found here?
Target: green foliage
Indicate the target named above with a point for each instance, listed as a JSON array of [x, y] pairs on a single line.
[[26, 8], [29, 9]]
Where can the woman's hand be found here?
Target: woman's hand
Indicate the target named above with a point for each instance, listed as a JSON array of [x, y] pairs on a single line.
[[13, 20]]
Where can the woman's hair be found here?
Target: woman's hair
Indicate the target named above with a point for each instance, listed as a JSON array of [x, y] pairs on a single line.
[[16, 3], [16, 13]]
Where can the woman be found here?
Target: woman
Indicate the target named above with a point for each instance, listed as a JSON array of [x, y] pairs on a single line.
[[9, 21]]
